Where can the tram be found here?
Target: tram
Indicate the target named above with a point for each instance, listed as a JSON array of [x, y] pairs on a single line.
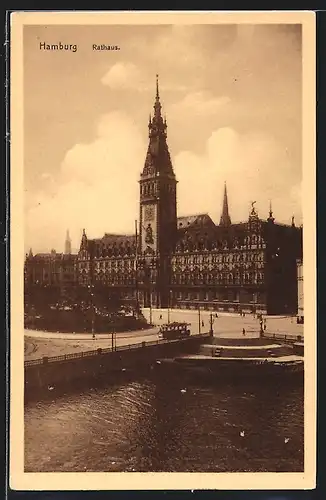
[[175, 330]]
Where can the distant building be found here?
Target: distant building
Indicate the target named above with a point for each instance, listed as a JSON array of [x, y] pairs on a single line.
[[50, 269], [300, 289]]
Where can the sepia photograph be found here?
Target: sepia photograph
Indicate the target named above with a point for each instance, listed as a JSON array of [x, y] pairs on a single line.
[[163, 250]]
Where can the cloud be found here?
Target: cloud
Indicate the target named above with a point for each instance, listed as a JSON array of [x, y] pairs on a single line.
[[199, 103], [247, 163], [124, 75], [237, 118], [98, 185], [127, 76], [97, 188]]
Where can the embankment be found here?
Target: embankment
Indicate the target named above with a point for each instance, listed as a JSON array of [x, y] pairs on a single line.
[[64, 373]]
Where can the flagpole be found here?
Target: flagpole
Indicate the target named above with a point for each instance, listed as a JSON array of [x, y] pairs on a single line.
[[136, 268]]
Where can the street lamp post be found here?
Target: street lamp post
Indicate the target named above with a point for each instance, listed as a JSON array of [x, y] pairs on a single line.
[[211, 321], [90, 287], [136, 270], [93, 314], [169, 304], [150, 295]]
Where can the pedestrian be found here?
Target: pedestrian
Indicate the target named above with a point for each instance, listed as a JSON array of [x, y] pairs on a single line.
[[265, 326], [202, 323], [243, 331], [160, 316]]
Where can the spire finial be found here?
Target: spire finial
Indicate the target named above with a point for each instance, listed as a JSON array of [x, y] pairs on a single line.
[[157, 91], [292, 222], [270, 215], [157, 106], [225, 219]]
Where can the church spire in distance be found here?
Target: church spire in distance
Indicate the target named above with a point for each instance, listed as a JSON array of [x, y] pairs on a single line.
[[68, 243], [225, 219]]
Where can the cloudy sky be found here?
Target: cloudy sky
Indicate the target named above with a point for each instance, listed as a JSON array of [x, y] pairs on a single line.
[[232, 97]]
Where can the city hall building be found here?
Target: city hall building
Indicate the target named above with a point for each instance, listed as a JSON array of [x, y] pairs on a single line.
[[190, 262]]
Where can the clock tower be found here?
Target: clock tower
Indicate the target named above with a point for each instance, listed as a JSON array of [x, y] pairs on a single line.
[[158, 212]]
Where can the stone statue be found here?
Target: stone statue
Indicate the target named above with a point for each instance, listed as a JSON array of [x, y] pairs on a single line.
[[149, 235]]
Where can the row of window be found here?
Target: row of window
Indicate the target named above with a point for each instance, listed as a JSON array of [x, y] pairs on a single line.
[[152, 188], [112, 279], [218, 296], [115, 264], [218, 267], [219, 278], [219, 258]]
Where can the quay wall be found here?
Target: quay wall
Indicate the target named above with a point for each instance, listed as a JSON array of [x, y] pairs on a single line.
[[243, 351], [64, 373]]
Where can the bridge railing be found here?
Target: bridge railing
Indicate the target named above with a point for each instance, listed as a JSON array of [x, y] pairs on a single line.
[[99, 351], [284, 337]]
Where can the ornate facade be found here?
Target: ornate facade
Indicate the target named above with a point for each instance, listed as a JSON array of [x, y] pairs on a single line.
[[191, 262]]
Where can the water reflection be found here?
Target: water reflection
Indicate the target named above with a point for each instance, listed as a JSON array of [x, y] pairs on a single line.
[[168, 425]]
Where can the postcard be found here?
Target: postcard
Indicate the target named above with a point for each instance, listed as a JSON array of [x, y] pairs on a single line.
[[163, 269]]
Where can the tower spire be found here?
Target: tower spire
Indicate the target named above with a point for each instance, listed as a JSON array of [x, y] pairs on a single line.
[[225, 219], [68, 243], [157, 91], [158, 157], [270, 215], [157, 105]]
